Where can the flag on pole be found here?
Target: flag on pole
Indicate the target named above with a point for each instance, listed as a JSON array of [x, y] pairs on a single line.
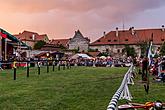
[[150, 55]]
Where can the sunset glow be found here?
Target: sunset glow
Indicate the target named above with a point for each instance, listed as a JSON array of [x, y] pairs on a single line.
[[60, 18]]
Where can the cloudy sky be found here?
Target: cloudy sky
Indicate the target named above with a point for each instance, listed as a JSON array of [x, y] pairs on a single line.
[[60, 18]]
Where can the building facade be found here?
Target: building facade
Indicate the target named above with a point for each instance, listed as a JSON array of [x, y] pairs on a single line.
[[30, 38], [114, 42], [79, 42]]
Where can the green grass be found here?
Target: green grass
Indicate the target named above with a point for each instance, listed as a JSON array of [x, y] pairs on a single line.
[[79, 88]]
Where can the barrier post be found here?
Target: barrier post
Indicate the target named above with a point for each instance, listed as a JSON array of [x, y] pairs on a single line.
[[53, 65], [14, 66], [47, 66], [38, 68], [64, 65], [67, 65], [28, 69], [59, 65]]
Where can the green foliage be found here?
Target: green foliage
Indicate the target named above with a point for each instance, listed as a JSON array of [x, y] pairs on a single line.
[[104, 54], [130, 51], [74, 50], [162, 49], [39, 44], [62, 47], [143, 46], [92, 50], [78, 49]]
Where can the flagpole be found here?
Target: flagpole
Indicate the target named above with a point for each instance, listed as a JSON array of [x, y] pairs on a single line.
[[149, 55]]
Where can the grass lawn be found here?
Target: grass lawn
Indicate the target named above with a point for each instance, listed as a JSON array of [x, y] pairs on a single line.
[[79, 88]]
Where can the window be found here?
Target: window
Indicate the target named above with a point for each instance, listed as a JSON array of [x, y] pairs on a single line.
[[162, 39], [98, 40], [126, 39], [115, 40], [107, 50], [109, 40]]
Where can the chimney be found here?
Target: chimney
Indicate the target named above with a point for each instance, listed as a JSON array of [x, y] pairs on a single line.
[[33, 37], [104, 33], [132, 31], [117, 32], [163, 28]]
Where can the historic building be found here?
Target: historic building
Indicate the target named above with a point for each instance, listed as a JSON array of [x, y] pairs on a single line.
[[79, 42], [60, 42], [114, 42], [30, 38]]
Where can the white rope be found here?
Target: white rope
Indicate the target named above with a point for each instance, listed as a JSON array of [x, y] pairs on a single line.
[[123, 91]]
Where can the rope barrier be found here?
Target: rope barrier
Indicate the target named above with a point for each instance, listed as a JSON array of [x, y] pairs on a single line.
[[123, 91]]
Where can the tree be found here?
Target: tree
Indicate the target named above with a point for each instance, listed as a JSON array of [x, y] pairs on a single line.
[[143, 46], [162, 49], [62, 47], [130, 51], [104, 54], [39, 44], [92, 50]]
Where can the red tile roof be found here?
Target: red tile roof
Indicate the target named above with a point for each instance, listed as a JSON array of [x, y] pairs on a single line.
[[27, 35], [126, 37], [63, 42]]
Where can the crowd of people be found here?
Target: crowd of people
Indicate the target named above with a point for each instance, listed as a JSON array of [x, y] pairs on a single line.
[[156, 68], [102, 62]]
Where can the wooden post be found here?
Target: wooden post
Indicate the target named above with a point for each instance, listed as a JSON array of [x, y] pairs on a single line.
[[14, 73], [47, 66], [38, 68], [67, 64], [27, 69], [64, 66], [59, 65], [14, 66], [53, 65]]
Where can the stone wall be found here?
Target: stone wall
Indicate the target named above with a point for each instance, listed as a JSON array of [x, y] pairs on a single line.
[[79, 42]]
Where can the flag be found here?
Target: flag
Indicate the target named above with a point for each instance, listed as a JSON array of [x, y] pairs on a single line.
[[3, 35], [150, 54]]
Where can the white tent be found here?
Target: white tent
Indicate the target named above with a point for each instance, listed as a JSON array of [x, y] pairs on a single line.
[[78, 55], [103, 57]]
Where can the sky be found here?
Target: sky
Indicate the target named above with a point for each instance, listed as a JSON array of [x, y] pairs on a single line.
[[61, 18]]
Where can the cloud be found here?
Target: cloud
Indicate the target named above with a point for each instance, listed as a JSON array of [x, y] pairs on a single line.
[[59, 18]]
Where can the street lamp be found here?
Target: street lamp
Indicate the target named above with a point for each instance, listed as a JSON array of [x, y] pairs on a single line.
[[47, 54]]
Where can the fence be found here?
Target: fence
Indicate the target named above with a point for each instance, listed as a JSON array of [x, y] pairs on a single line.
[[123, 91], [15, 64]]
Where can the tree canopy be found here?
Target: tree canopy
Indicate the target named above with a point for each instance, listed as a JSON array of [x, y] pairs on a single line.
[[39, 44], [162, 49], [130, 51]]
